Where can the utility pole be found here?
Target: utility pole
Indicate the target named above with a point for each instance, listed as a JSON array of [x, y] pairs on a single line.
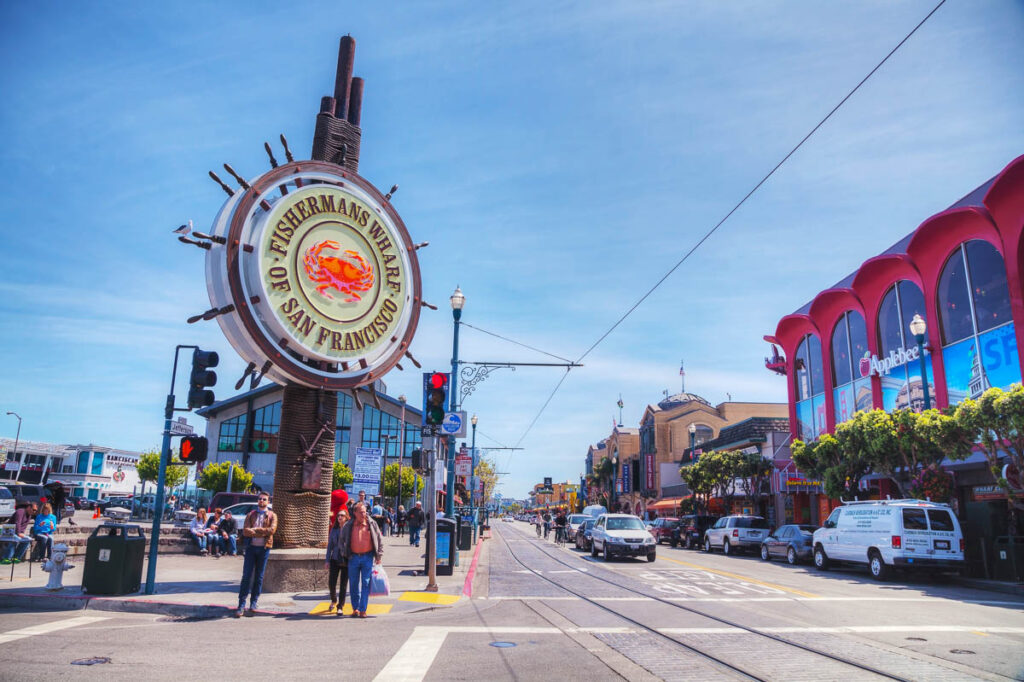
[[431, 454]]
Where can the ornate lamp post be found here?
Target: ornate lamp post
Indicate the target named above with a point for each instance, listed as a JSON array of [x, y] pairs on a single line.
[[615, 479], [386, 437], [692, 428], [458, 300], [918, 327], [17, 437]]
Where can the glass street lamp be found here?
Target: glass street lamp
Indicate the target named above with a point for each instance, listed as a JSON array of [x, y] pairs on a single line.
[[458, 300], [692, 428], [918, 328]]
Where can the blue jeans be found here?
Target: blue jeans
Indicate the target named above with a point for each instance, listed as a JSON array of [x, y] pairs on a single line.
[[16, 549], [360, 568], [231, 542], [252, 575], [200, 540], [414, 535]]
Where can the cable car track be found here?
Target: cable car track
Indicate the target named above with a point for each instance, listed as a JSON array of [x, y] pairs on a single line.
[[703, 654]]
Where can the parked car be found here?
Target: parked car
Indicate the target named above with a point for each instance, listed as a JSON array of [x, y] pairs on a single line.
[[887, 534], [81, 502], [690, 532], [583, 534], [575, 521], [663, 528], [225, 500], [793, 541], [736, 533], [240, 511], [103, 505], [621, 535], [28, 493], [6, 504]]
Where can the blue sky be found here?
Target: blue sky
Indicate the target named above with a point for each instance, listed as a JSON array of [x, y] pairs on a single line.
[[558, 156]]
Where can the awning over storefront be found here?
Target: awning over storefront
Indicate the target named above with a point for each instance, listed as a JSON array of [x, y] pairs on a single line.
[[668, 504]]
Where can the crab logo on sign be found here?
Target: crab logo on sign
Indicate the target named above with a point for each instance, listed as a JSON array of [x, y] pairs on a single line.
[[318, 274]]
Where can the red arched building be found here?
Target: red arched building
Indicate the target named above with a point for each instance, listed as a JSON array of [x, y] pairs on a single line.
[[962, 271]]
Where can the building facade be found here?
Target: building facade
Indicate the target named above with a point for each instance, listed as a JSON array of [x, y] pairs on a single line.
[[245, 429], [850, 348], [91, 471]]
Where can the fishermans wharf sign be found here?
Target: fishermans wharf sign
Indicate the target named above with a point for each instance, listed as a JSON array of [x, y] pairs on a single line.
[[319, 275]]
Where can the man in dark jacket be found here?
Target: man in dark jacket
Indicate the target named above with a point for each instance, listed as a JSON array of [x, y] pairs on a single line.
[[227, 529], [415, 519], [14, 548]]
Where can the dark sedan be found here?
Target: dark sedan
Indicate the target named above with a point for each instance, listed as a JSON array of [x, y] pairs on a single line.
[[583, 534], [690, 531], [793, 542]]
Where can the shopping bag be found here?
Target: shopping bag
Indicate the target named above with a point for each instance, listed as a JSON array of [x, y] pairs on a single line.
[[379, 586]]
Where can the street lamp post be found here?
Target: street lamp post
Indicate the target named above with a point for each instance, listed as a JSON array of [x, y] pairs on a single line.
[[474, 509], [17, 437], [401, 454], [693, 438], [918, 327], [458, 300], [615, 479], [386, 437]]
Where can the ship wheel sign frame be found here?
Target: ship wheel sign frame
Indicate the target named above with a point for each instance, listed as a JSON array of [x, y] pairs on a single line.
[[316, 281]]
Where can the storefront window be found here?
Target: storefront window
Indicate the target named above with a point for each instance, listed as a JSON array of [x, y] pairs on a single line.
[[266, 422], [343, 427], [852, 392], [978, 335], [810, 388], [232, 434], [97, 463], [901, 385]]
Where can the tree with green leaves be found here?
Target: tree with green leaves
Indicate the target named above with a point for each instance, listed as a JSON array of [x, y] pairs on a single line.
[[215, 477], [149, 470], [391, 482], [754, 472], [696, 479], [996, 422], [342, 476], [604, 470], [488, 476]]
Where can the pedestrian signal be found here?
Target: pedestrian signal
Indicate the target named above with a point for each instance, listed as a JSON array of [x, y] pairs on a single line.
[[193, 449], [435, 397], [417, 460]]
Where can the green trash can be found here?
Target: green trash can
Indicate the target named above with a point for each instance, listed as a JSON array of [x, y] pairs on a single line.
[[113, 559], [1009, 558]]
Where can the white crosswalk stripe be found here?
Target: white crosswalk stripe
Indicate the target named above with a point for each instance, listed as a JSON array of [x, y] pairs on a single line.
[[45, 628]]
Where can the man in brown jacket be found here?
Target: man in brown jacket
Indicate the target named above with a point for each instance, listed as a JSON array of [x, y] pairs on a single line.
[[259, 528]]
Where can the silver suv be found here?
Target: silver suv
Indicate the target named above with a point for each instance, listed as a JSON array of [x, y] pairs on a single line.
[[736, 533]]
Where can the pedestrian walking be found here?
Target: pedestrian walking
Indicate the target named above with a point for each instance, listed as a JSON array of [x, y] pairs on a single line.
[[336, 564], [377, 512], [400, 520], [415, 523], [58, 495], [364, 547], [259, 528]]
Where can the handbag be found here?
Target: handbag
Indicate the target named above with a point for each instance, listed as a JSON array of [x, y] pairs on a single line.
[[379, 586]]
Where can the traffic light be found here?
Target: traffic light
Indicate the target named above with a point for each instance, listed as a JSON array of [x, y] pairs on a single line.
[[202, 377], [435, 397], [417, 460], [193, 449]]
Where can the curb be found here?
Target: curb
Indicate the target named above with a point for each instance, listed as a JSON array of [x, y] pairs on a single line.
[[53, 602]]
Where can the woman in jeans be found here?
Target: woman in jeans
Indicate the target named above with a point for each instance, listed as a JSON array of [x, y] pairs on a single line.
[[198, 529], [336, 563], [46, 524]]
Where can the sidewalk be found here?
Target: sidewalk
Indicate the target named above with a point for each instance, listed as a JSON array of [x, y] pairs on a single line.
[[206, 587]]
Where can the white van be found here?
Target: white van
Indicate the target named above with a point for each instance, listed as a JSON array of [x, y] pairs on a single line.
[[887, 534], [595, 510]]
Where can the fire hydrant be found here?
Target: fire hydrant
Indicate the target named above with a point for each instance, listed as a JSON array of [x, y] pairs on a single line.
[[56, 565]]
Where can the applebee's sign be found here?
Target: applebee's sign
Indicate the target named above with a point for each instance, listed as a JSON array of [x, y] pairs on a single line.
[[872, 365]]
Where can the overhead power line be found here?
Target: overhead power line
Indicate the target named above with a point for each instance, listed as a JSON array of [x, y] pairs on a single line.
[[717, 225]]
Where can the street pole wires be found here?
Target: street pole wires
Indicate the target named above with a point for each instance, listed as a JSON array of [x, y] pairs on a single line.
[[505, 338], [742, 201]]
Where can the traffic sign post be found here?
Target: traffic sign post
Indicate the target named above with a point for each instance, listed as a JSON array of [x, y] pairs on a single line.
[[454, 424]]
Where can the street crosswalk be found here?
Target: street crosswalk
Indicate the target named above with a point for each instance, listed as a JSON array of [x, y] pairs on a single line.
[[46, 628]]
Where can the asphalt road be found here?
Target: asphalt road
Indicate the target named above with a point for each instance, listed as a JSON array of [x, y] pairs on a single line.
[[541, 612]]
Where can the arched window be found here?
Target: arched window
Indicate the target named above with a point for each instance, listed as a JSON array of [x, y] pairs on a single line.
[[979, 342], [850, 376], [702, 434], [810, 388], [898, 364]]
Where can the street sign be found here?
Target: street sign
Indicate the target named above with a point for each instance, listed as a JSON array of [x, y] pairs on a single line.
[[454, 424], [463, 465], [11, 465], [181, 428], [428, 431], [366, 470]]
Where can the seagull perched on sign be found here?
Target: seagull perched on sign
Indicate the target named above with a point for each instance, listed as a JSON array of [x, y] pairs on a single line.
[[184, 229]]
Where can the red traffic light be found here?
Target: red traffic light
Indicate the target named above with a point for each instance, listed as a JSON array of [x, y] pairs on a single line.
[[193, 449], [438, 380]]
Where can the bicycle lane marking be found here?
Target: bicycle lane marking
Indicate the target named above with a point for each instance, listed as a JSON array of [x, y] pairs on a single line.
[[742, 578]]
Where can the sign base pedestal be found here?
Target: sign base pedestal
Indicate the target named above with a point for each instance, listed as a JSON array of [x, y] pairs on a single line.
[[295, 570]]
